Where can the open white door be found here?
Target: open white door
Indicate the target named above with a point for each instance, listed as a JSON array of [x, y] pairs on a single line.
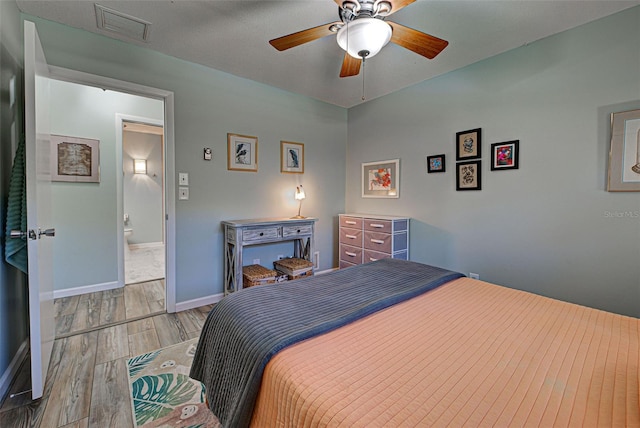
[[39, 211]]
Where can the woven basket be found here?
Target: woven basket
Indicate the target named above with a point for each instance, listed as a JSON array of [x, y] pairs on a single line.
[[293, 264], [302, 275], [257, 275]]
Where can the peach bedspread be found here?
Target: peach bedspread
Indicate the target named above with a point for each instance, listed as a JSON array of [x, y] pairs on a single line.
[[466, 354]]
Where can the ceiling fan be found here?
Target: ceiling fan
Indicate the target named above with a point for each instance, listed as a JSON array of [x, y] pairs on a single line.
[[362, 32]]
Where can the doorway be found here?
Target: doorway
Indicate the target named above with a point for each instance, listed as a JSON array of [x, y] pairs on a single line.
[[143, 204], [111, 291], [143, 200]]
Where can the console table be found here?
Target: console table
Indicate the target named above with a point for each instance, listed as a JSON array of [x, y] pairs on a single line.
[[241, 233]]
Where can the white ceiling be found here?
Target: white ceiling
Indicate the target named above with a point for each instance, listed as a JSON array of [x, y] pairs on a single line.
[[233, 36]]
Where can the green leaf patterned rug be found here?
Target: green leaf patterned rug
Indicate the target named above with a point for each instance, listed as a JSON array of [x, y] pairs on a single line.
[[163, 394]]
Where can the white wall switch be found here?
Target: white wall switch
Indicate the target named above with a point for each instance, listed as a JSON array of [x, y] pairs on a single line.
[[183, 193], [183, 179], [208, 153]]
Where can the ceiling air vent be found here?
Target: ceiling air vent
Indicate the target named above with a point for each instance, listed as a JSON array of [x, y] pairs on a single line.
[[121, 23]]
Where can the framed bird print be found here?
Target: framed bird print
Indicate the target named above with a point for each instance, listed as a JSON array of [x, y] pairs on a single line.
[[242, 153], [291, 157]]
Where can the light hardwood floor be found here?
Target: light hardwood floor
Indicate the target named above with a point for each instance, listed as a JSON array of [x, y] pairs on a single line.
[[86, 384], [95, 310]]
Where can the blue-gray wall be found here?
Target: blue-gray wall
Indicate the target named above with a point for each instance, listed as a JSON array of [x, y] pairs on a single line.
[[208, 105], [549, 227], [13, 299], [85, 215]]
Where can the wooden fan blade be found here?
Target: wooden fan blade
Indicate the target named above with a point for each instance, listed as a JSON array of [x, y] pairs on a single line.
[[301, 37], [417, 41], [350, 66], [396, 5]]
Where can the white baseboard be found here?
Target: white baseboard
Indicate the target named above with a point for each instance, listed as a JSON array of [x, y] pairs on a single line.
[[325, 271], [68, 292], [146, 245], [215, 298], [11, 371], [196, 303]]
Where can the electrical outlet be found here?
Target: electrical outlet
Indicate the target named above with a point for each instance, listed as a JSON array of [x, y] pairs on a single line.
[[474, 275], [256, 261]]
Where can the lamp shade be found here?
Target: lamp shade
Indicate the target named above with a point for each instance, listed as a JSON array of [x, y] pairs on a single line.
[[139, 166], [300, 195], [364, 35]]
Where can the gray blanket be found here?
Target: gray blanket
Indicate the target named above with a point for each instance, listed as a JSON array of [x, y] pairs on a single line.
[[245, 329]]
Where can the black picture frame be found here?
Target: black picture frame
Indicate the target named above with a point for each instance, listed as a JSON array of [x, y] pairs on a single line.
[[505, 155], [469, 144], [436, 163], [469, 175]]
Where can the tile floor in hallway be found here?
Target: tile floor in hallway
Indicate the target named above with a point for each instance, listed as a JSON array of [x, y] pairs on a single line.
[[90, 311]]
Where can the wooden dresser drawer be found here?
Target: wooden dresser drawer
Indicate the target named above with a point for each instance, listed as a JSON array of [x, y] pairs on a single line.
[[351, 254], [372, 256], [380, 242], [377, 225], [351, 237], [352, 222], [265, 233], [292, 231]]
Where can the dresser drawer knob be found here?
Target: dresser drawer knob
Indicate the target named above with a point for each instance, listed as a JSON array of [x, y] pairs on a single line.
[[350, 254], [350, 236], [261, 233], [377, 241], [377, 225], [349, 222], [298, 230]]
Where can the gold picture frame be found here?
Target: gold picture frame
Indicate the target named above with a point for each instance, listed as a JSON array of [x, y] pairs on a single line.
[[624, 154], [291, 157], [242, 153]]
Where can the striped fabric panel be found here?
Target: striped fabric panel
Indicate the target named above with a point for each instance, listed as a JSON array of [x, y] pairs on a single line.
[[466, 354]]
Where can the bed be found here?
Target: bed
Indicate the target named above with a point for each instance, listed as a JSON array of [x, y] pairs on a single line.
[[397, 343]]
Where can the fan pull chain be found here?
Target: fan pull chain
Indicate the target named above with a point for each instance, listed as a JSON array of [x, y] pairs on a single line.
[[363, 67]]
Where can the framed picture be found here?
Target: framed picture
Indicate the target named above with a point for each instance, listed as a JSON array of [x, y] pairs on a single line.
[[75, 159], [469, 144], [381, 179], [242, 153], [435, 163], [291, 157], [624, 156], [504, 155], [468, 175]]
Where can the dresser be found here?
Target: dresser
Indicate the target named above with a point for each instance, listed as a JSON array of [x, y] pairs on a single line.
[[242, 233], [367, 237]]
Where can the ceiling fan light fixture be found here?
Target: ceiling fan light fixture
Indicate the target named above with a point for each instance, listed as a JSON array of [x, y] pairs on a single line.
[[364, 34]]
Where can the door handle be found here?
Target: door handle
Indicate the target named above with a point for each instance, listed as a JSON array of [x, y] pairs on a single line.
[[18, 234], [46, 232]]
